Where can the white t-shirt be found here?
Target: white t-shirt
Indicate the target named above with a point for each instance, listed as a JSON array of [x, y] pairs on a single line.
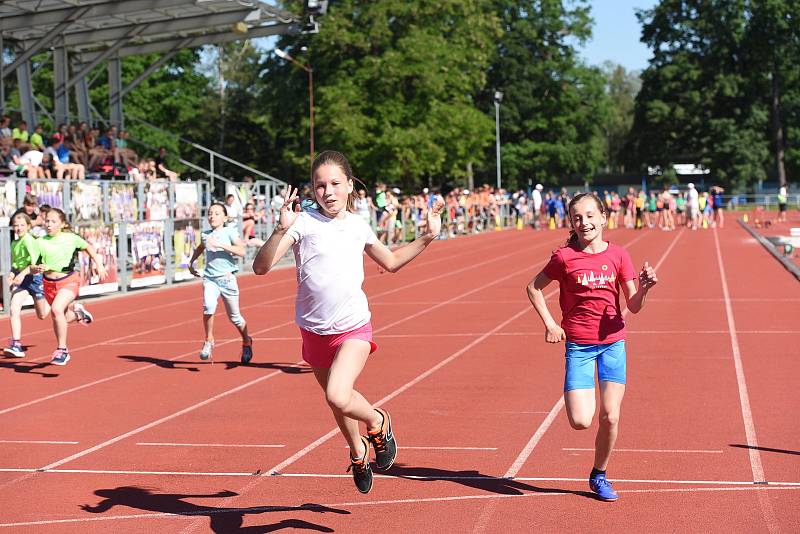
[[537, 200], [329, 254], [693, 199], [32, 157]]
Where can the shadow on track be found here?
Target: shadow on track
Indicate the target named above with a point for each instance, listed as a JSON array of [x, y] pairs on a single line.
[[288, 368], [29, 368], [477, 480], [223, 520], [765, 449]]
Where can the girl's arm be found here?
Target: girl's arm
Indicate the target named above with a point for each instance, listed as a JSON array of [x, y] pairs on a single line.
[[237, 248], [17, 280], [553, 332], [279, 242], [196, 254], [394, 260], [101, 268], [634, 298]]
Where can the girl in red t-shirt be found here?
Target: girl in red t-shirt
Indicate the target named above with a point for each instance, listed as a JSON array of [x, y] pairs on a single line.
[[590, 273]]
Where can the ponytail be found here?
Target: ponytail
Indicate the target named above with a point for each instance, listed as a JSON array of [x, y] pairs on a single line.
[[64, 221]]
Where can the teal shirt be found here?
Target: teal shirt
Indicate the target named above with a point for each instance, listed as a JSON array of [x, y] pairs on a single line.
[[220, 262]]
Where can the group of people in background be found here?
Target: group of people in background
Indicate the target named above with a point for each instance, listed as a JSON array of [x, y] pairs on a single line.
[[75, 151]]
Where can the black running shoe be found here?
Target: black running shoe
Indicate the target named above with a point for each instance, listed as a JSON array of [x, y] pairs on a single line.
[[362, 472], [384, 443]]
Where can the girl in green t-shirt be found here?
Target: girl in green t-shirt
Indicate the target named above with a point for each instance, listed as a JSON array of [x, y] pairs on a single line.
[[58, 258], [24, 253]]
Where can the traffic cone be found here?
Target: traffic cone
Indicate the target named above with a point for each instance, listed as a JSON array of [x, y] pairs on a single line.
[[610, 224], [746, 219], [705, 224], [552, 223], [520, 223], [497, 227]]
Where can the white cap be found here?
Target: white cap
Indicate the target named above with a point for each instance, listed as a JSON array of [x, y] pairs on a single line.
[[396, 191], [690, 185], [539, 187], [425, 190], [465, 192]]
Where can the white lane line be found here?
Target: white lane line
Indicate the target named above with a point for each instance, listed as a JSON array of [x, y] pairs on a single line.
[[675, 451], [263, 509], [38, 442], [436, 448], [744, 399], [523, 456], [240, 445]]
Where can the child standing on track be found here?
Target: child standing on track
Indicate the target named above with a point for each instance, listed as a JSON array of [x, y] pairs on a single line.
[[590, 273], [58, 254], [221, 244], [331, 308], [24, 253]]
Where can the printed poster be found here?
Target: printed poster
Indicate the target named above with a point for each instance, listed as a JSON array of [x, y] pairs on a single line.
[[123, 202], [8, 201], [50, 193], [87, 202], [185, 240], [156, 201], [147, 248], [186, 205], [101, 237]]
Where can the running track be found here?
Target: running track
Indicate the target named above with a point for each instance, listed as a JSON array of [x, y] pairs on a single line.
[[137, 435]]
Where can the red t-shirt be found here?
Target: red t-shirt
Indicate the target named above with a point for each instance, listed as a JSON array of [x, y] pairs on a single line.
[[589, 292]]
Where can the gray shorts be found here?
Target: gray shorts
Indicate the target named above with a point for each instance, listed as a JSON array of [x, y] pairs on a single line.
[[226, 287]]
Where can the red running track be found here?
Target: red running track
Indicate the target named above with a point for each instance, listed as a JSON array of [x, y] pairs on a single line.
[[137, 435]]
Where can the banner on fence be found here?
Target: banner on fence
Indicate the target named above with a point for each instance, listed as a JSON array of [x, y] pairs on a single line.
[[147, 245], [8, 201], [186, 204], [123, 205], [50, 193], [101, 237], [87, 202], [156, 201], [185, 239]]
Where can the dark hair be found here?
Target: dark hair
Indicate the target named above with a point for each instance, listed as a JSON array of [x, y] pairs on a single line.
[[573, 235], [24, 216], [30, 200], [63, 217], [331, 157], [222, 206]]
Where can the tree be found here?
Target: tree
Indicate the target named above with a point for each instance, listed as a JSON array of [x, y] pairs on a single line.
[[554, 107], [622, 87]]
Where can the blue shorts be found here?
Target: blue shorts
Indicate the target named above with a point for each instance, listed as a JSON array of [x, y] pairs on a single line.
[[32, 283], [224, 286], [611, 366]]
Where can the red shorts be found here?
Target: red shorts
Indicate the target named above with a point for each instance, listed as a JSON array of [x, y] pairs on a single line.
[[319, 351], [71, 282]]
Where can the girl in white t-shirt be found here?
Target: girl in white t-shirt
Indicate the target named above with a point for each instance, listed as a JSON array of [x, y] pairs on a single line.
[[331, 308]]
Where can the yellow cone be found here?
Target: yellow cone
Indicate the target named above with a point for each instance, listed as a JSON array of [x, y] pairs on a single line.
[[705, 223], [610, 224], [552, 223], [497, 223], [519, 223], [746, 218]]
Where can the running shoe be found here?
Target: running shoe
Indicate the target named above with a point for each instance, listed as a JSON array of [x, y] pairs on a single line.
[[205, 353], [60, 357], [247, 351], [384, 443], [362, 472], [14, 349], [84, 317], [602, 488]]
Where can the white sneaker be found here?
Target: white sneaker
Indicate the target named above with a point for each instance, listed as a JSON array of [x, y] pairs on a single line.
[[83, 314], [205, 353]]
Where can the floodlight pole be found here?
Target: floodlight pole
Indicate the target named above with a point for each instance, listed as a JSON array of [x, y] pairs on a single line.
[[498, 97], [285, 55]]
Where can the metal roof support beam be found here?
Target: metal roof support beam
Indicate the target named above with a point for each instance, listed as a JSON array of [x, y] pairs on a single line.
[[115, 92], [82, 96], [97, 10], [228, 18], [26, 94], [102, 56], [150, 70], [2, 77], [46, 39], [61, 71], [194, 42]]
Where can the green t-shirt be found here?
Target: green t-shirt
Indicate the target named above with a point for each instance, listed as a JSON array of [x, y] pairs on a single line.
[[59, 252], [37, 140], [24, 252]]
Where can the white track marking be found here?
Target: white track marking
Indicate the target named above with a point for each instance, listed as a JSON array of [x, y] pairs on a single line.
[[675, 451], [38, 442], [240, 445], [744, 399], [263, 509]]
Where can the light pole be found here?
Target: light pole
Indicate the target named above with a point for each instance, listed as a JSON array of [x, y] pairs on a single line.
[[285, 55], [498, 97]]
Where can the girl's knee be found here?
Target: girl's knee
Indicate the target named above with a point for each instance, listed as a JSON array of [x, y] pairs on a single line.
[[338, 398], [609, 419], [580, 423], [237, 320]]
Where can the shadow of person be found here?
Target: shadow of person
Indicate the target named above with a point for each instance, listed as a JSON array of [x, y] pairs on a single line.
[[28, 368], [477, 480], [284, 367], [765, 449], [164, 364], [223, 520]]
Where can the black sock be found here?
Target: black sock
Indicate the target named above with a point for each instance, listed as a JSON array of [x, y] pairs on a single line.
[[596, 472]]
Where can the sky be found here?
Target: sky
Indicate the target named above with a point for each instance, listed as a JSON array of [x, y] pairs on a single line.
[[616, 34]]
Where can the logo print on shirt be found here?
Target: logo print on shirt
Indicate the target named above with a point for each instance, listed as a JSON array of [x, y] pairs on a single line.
[[595, 281]]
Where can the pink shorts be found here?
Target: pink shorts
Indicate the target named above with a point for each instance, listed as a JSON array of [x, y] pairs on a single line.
[[319, 351]]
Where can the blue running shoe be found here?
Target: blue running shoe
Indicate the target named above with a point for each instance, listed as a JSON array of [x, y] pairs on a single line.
[[247, 351], [15, 349], [602, 488], [60, 357]]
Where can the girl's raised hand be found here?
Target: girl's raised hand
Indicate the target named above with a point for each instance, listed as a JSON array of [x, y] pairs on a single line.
[[102, 272], [288, 215], [555, 334], [10, 278], [435, 218], [647, 277]]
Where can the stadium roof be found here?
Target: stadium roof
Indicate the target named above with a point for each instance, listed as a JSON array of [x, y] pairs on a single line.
[[95, 28]]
